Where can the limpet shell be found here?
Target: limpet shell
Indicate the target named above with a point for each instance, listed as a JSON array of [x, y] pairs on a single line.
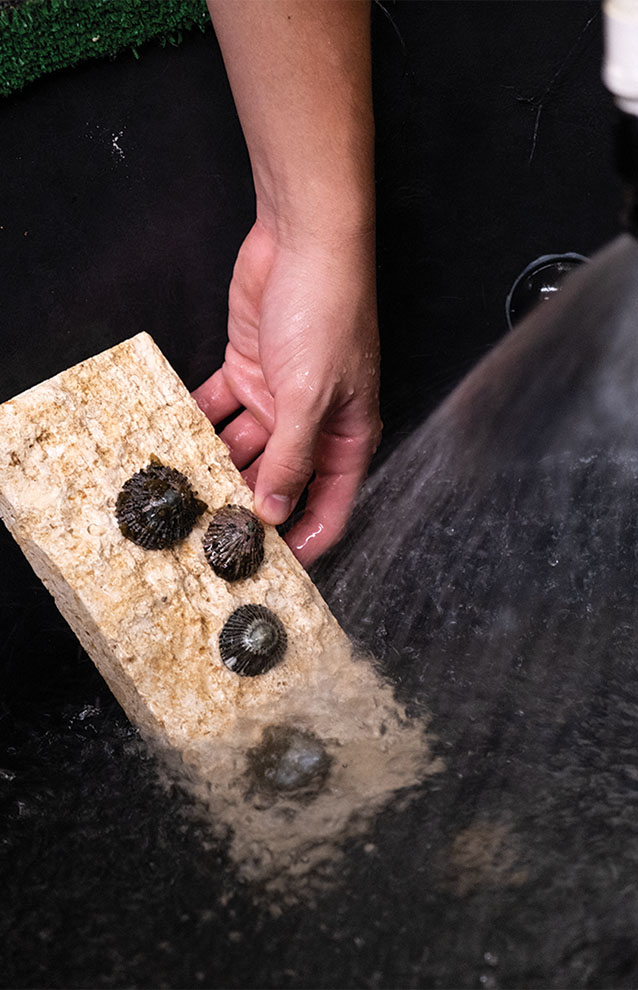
[[252, 641], [289, 760], [157, 507], [234, 542]]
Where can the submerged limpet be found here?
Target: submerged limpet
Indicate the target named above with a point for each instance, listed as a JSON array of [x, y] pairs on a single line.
[[157, 507], [252, 641], [234, 542], [289, 760]]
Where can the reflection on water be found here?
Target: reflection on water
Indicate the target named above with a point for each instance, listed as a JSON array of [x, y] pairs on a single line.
[[291, 783]]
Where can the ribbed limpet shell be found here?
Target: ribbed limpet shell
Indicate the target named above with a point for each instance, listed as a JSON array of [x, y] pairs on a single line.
[[157, 507], [234, 542], [252, 641]]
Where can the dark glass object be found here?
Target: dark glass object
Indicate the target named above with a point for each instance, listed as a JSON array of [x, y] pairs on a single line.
[[540, 281]]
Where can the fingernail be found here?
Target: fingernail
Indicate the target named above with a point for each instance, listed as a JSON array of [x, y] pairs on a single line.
[[275, 509]]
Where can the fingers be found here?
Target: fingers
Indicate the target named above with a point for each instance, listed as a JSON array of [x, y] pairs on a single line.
[[286, 464], [245, 439], [245, 436], [341, 463], [215, 398], [277, 466], [330, 502], [250, 474]]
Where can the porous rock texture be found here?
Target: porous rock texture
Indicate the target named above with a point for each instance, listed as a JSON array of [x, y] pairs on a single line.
[[149, 619]]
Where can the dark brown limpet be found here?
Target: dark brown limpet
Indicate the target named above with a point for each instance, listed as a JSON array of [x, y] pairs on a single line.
[[252, 641], [157, 507], [234, 542]]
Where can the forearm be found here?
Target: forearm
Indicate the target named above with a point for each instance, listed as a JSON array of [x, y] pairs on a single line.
[[300, 75]]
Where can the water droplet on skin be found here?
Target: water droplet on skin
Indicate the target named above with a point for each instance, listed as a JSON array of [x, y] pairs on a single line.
[[316, 532]]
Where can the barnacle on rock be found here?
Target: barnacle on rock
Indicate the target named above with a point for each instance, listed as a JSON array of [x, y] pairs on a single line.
[[157, 507], [252, 641], [289, 760], [234, 542]]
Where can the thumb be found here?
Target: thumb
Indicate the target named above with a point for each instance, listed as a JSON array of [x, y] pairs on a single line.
[[286, 464]]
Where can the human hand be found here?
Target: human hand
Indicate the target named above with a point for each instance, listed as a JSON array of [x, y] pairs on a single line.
[[301, 375]]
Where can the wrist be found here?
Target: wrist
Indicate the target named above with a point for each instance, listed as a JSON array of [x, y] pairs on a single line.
[[332, 218]]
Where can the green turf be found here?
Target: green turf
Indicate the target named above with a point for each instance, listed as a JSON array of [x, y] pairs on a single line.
[[40, 36]]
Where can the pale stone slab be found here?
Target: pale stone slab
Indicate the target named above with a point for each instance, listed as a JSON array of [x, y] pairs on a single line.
[[150, 620]]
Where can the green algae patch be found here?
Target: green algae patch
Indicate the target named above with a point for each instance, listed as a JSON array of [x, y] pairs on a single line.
[[41, 36]]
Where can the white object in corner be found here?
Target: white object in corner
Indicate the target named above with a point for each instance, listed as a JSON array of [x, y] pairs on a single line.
[[620, 66]]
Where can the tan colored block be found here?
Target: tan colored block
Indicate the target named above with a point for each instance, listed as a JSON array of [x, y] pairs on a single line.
[[150, 619]]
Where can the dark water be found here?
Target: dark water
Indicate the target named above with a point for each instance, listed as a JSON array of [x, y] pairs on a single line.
[[491, 568]]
